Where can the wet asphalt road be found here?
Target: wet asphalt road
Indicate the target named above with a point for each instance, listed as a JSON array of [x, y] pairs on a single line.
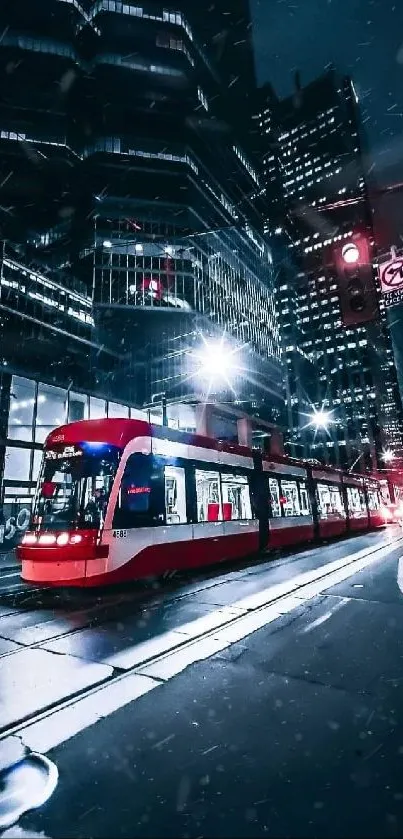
[[55, 644], [297, 730]]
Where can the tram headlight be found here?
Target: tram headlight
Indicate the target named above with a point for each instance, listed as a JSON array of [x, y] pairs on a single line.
[[47, 539], [29, 539]]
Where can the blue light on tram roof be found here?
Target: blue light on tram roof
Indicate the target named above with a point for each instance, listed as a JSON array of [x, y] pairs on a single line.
[[94, 446]]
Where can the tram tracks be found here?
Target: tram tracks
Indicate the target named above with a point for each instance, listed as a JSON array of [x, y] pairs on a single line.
[[187, 644]]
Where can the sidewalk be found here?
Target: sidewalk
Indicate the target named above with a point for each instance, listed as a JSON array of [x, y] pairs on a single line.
[[8, 560]]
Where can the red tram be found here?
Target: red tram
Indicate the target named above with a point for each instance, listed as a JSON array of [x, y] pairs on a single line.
[[120, 499]]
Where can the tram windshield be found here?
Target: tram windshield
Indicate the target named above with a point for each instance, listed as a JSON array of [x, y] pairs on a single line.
[[74, 486]]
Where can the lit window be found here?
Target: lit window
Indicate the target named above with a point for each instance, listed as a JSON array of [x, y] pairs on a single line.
[[21, 409], [175, 495], [236, 502], [208, 493], [275, 498], [291, 503]]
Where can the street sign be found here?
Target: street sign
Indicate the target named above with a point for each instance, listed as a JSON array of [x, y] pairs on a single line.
[[391, 280]]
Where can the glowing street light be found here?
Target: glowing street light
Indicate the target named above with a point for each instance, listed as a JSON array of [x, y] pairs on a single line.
[[388, 456], [216, 362], [321, 419], [107, 243]]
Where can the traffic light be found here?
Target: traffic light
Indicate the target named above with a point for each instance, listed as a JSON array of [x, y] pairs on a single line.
[[358, 297]]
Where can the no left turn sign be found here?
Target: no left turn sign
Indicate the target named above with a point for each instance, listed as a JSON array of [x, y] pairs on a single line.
[[391, 275]]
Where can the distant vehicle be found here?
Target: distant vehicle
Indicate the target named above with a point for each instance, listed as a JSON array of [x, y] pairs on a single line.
[[121, 499], [391, 481]]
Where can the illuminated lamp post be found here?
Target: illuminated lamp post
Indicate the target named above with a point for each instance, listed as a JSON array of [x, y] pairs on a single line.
[[321, 419], [215, 362]]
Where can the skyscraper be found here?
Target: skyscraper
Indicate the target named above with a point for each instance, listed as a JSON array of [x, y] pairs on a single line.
[[225, 27], [316, 188], [129, 215], [152, 199]]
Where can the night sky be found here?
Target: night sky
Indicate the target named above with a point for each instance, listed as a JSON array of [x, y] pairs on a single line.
[[363, 38]]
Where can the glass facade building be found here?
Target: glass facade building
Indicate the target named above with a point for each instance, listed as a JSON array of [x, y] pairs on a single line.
[[316, 188], [136, 226], [33, 409]]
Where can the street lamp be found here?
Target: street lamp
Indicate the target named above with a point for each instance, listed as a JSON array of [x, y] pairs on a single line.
[[216, 361], [388, 456], [321, 419]]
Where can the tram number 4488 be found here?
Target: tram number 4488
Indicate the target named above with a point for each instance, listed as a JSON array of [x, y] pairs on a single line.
[[119, 534]]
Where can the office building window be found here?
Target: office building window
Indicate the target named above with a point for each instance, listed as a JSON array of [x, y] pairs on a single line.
[[22, 404], [51, 411], [17, 465], [78, 407], [97, 408], [36, 465], [115, 410]]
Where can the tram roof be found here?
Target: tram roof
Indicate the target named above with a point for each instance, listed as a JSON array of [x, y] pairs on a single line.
[[119, 432]]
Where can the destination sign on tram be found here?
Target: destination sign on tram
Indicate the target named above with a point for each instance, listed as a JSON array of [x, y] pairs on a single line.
[[62, 454]]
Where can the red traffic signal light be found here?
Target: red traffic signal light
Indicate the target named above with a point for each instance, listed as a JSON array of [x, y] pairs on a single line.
[[358, 298], [350, 253]]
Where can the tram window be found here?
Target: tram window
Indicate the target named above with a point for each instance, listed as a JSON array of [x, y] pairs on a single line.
[[275, 498], [398, 491], [374, 501], [356, 501], [305, 505], [330, 501], [336, 501], [323, 497], [134, 497], [385, 493], [291, 505], [236, 502], [208, 493], [353, 500], [175, 495]]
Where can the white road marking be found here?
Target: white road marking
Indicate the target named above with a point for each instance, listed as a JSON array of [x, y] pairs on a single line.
[[235, 623], [253, 601], [18, 832], [61, 725], [323, 618]]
